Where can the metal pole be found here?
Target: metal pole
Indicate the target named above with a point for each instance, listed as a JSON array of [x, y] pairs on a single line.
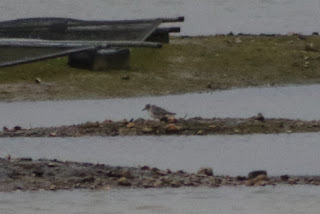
[[34, 43]]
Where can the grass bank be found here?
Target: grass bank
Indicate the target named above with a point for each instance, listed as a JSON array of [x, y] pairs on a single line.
[[193, 64]]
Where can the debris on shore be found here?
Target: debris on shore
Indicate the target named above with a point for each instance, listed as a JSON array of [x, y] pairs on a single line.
[[192, 126], [25, 174]]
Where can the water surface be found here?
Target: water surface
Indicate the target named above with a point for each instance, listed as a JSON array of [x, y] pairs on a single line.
[[295, 102], [203, 17], [224, 200], [295, 154]]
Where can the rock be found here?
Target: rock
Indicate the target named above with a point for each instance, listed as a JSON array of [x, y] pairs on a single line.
[[157, 183], [38, 172], [145, 168], [261, 183], [123, 181], [88, 179], [53, 187], [107, 187], [241, 178], [107, 121], [51, 164], [175, 184], [53, 134], [127, 174], [172, 128], [37, 80], [260, 180], [284, 177], [208, 171], [161, 172], [200, 132], [254, 174], [23, 159], [130, 125], [147, 130], [17, 128]]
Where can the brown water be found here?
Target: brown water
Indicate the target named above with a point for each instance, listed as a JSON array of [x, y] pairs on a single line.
[[294, 102], [203, 17]]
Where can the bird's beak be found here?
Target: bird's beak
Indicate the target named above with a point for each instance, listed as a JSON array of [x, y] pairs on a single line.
[[143, 109]]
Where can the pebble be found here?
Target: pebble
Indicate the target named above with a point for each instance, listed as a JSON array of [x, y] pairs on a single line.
[[130, 125], [123, 181]]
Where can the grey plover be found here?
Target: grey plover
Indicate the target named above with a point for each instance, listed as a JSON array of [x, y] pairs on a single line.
[[156, 112]]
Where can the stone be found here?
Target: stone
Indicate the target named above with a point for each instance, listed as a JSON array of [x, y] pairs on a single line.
[[172, 128], [157, 183], [107, 187], [130, 125], [208, 171], [123, 181], [200, 132], [161, 172], [88, 179], [53, 187], [51, 164], [53, 134], [260, 180], [261, 183], [241, 178], [175, 184], [147, 130], [284, 177], [38, 80], [17, 128], [254, 174], [145, 168]]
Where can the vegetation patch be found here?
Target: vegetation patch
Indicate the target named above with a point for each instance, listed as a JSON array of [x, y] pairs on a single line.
[[190, 64]]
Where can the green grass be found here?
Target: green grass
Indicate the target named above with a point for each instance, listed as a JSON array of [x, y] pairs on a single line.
[[185, 65]]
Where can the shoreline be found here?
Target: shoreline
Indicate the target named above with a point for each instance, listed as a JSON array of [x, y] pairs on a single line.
[[257, 124], [25, 174], [186, 65]]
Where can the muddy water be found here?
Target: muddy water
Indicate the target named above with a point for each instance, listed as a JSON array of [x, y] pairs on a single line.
[[203, 17], [295, 154], [280, 200], [296, 102]]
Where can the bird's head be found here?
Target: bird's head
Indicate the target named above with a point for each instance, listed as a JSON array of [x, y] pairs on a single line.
[[147, 107]]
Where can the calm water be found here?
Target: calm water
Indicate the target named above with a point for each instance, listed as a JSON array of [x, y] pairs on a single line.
[[302, 102], [203, 17], [295, 154], [238, 200]]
